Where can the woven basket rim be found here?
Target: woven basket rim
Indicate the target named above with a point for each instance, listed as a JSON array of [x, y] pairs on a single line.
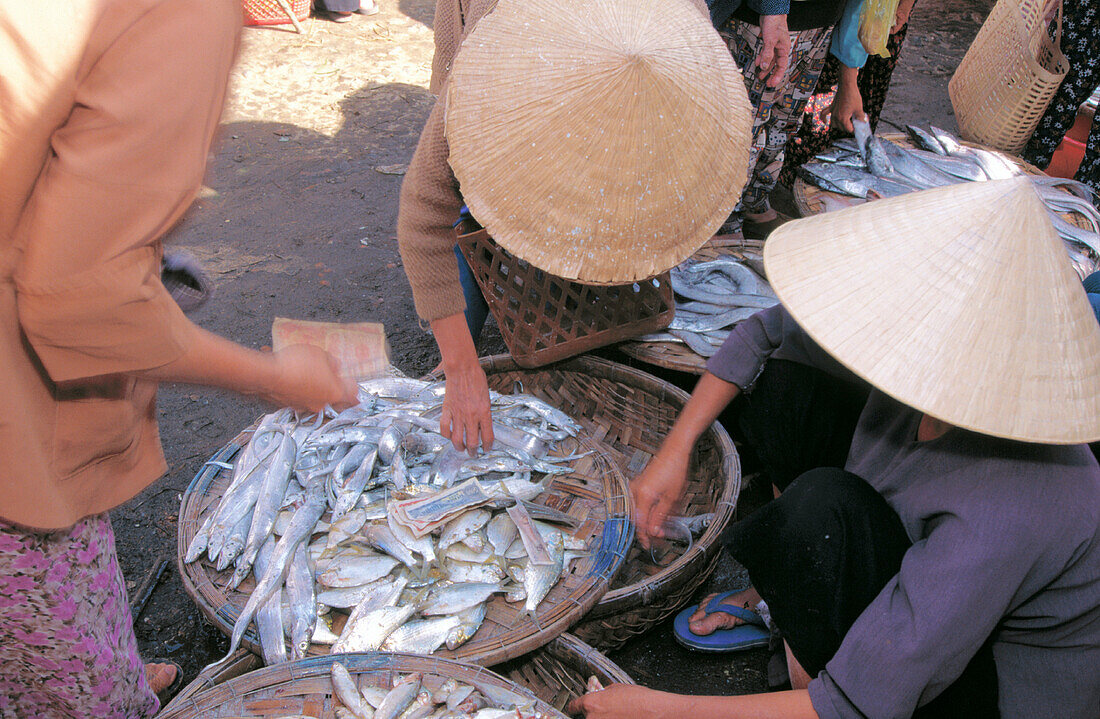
[[682, 569], [356, 663]]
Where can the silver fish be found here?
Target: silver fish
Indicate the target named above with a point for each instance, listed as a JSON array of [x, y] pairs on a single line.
[[501, 531], [349, 492], [539, 579], [463, 526], [455, 598], [422, 636], [302, 599], [376, 594], [346, 690], [399, 698], [357, 571], [272, 491], [269, 617], [469, 622], [365, 631]]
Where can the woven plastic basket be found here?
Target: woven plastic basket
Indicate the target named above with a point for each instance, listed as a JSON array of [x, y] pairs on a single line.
[[630, 412], [594, 493], [544, 318], [269, 12], [1008, 76], [555, 674], [304, 688]]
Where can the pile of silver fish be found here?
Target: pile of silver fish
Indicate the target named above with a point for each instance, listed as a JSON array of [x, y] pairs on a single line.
[[420, 696], [711, 297], [373, 512], [870, 167]]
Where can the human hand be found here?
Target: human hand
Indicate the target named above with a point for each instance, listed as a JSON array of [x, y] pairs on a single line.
[[657, 491], [466, 417], [905, 8], [308, 378], [620, 701], [847, 105], [775, 52]]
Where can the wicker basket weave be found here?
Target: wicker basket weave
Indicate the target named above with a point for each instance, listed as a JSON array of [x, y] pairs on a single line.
[[594, 493], [1009, 75], [555, 674], [631, 411], [544, 318], [304, 687]]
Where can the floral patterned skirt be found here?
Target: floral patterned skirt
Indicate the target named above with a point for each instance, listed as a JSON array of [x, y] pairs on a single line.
[[67, 644]]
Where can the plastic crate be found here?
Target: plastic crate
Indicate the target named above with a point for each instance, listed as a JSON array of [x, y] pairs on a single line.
[[269, 12]]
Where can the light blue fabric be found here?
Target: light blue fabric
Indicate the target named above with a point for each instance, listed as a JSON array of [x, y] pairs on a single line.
[[845, 45]]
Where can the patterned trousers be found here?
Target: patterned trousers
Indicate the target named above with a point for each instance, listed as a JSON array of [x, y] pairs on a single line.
[[1081, 45], [67, 644], [777, 111]]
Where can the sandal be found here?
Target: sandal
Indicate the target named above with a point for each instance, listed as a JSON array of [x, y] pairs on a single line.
[[166, 694], [753, 633]]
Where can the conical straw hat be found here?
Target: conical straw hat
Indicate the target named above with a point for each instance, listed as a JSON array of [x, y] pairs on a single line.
[[600, 141], [958, 301]]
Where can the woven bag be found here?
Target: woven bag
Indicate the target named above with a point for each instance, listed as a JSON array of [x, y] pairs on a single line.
[[271, 12], [1009, 75]]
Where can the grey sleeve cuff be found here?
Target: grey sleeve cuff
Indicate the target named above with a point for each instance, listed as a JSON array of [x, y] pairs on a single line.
[[829, 700]]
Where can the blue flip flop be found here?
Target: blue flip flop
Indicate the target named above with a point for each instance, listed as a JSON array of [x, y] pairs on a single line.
[[753, 633]]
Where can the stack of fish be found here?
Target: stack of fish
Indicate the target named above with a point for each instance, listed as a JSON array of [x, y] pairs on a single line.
[[869, 167], [711, 297], [417, 696], [374, 512]]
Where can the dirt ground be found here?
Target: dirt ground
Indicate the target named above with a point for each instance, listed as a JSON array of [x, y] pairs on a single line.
[[297, 220]]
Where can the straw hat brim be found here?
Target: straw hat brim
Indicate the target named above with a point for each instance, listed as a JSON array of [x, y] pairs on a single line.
[[959, 302], [602, 142]]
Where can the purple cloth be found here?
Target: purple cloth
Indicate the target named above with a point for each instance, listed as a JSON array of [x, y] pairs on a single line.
[[1006, 543]]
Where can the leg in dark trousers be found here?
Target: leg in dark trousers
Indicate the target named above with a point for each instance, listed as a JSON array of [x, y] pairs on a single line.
[[818, 555]]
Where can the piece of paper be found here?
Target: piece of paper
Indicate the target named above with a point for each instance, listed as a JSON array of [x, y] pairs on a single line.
[[359, 348]]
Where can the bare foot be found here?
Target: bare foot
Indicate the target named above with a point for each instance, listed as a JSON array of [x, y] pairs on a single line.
[[700, 623], [160, 676]]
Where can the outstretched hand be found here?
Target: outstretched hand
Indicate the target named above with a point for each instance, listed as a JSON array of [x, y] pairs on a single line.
[[308, 378], [620, 701], [657, 491], [466, 419]]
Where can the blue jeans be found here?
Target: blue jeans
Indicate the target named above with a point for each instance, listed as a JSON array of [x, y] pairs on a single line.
[[476, 308], [1092, 287]]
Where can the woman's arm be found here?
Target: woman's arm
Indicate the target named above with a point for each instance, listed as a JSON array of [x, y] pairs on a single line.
[[623, 701], [301, 376], [659, 487], [465, 419]]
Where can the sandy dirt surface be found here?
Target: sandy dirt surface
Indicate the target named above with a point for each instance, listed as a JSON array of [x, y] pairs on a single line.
[[297, 218]]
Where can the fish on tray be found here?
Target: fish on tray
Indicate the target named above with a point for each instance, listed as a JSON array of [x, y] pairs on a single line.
[[370, 512]]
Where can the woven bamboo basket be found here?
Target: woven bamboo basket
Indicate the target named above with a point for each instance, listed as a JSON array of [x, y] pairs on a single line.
[[304, 687], [544, 318], [594, 493], [630, 412], [556, 674], [1009, 74], [676, 355]]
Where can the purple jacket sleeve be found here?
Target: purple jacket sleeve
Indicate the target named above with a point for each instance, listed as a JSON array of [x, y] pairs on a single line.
[[770, 333]]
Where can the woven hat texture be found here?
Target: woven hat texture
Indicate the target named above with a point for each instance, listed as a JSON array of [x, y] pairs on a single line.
[[958, 301], [602, 142]]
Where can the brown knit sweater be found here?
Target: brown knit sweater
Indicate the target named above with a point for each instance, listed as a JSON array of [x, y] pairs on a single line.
[[430, 200]]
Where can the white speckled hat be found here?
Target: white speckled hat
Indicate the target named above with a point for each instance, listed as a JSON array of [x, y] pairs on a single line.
[[602, 142], [959, 301]]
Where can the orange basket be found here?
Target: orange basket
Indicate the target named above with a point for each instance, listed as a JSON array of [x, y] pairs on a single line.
[[269, 12]]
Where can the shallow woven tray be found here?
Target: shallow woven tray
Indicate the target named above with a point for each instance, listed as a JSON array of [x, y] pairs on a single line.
[[677, 355], [556, 674], [808, 198], [630, 412], [595, 493], [304, 687]]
